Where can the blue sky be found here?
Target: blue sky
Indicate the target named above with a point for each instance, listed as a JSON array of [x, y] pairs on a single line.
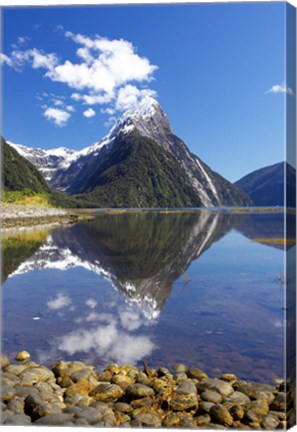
[[217, 70]]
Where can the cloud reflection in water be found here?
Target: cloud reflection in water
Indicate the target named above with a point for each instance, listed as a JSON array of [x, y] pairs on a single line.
[[113, 338]]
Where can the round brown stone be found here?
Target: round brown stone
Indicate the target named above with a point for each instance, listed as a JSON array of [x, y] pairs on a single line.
[[22, 356], [221, 415]]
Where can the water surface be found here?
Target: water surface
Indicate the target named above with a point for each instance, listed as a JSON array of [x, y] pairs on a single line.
[[202, 288]]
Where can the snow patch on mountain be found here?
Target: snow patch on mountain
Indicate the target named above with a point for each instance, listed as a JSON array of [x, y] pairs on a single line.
[[48, 162], [51, 256], [208, 179]]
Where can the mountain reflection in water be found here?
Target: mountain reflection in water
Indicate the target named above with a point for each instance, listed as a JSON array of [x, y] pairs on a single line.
[[142, 256]]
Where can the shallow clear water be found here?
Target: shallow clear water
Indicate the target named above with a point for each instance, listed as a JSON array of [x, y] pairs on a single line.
[[203, 288]]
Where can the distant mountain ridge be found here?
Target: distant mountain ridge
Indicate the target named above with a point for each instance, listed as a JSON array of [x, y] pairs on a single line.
[[140, 163], [266, 186]]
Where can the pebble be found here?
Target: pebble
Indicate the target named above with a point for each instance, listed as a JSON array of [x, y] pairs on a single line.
[[139, 391], [7, 393], [9, 378], [211, 396], [238, 397], [122, 380], [270, 422], [186, 387], [16, 406], [250, 416], [16, 369], [221, 415], [23, 391], [107, 392], [179, 367], [205, 406], [91, 415], [196, 373], [82, 387], [18, 420], [122, 407], [22, 356], [181, 402], [259, 407], [228, 377], [237, 412], [55, 419], [264, 395], [202, 420], [36, 374], [70, 393], [4, 361], [222, 387], [44, 409], [142, 402], [171, 419], [279, 403], [148, 420]]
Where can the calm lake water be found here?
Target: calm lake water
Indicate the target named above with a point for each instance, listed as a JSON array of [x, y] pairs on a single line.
[[205, 288]]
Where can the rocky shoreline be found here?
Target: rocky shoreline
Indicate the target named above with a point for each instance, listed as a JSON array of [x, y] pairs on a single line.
[[77, 394], [15, 215]]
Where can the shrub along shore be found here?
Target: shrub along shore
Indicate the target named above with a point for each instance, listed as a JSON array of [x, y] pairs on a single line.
[[77, 394]]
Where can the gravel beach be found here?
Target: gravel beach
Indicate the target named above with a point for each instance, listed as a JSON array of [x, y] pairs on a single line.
[[78, 394], [15, 215]]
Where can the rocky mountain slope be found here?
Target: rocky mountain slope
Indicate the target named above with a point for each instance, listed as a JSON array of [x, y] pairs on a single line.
[[266, 186], [48, 162], [18, 173], [140, 163]]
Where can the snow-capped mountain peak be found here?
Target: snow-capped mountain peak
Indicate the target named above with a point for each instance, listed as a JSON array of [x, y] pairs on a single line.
[[147, 117], [147, 107], [74, 171]]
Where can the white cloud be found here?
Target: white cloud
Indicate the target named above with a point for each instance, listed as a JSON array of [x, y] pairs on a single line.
[[109, 111], [108, 341], [58, 102], [110, 122], [281, 88], [40, 60], [59, 302], [89, 113], [129, 96], [85, 54], [58, 116], [70, 108], [91, 303], [105, 318], [92, 99], [107, 65], [36, 58], [103, 74], [130, 320], [22, 40], [4, 59]]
